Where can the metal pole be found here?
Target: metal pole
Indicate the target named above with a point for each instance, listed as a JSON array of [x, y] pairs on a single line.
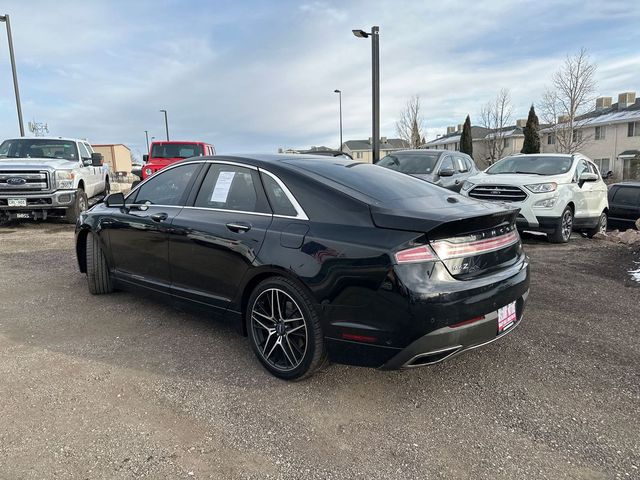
[[166, 123], [146, 134], [339, 92], [375, 77], [5, 19]]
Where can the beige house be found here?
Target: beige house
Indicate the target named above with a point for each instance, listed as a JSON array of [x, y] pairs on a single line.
[[362, 150], [117, 156], [612, 133], [512, 138]]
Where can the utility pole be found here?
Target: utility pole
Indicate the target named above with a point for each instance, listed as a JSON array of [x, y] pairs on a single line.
[[339, 92], [5, 19], [146, 134], [166, 123]]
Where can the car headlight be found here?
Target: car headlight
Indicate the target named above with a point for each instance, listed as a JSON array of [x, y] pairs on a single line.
[[542, 187], [64, 178], [148, 172], [467, 186]]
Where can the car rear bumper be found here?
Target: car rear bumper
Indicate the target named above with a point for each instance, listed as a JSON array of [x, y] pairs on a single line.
[[449, 341], [405, 324]]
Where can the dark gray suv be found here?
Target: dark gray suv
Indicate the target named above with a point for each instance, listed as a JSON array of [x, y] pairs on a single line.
[[446, 168]]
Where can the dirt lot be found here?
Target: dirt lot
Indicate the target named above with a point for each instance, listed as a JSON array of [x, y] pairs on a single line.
[[122, 387]]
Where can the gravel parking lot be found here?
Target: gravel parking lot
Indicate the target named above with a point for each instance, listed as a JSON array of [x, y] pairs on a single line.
[[123, 387]]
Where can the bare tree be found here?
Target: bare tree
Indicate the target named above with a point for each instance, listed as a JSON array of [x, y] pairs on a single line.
[[410, 126], [571, 95], [496, 116]]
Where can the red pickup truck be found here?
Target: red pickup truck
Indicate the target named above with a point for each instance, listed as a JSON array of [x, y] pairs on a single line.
[[162, 154]]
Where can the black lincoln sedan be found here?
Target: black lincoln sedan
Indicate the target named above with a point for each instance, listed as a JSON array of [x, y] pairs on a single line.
[[315, 259]]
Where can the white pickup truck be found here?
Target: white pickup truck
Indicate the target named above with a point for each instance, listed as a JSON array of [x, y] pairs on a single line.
[[49, 177]]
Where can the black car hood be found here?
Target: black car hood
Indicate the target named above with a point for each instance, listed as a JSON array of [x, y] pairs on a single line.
[[441, 215]]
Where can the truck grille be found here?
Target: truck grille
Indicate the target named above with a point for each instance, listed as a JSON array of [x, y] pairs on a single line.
[[23, 181], [504, 193]]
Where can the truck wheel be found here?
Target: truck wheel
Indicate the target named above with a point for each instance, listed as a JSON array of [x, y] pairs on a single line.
[[98, 276], [80, 204], [600, 228], [562, 234]]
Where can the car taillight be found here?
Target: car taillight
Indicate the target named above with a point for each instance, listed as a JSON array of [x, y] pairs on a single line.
[[423, 253], [447, 250]]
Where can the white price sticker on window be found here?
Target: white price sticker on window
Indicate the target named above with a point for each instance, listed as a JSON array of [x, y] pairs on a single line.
[[223, 185]]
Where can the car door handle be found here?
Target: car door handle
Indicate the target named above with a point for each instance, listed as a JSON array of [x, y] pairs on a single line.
[[159, 217], [239, 227]]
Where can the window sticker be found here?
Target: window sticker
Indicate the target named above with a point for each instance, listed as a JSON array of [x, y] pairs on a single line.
[[223, 185]]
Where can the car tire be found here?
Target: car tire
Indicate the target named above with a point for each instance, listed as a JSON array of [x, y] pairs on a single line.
[[600, 228], [98, 275], [562, 233], [135, 183], [284, 329], [80, 204]]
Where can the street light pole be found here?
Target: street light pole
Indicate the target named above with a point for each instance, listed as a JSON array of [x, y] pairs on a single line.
[[5, 19], [375, 87], [166, 123], [339, 92], [146, 134]]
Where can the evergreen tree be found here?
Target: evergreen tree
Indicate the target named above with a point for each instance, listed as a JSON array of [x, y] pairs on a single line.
[[466, 142], [531, 133], [415, 134]]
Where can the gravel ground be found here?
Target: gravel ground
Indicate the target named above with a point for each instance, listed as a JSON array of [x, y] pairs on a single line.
[[122, 387]]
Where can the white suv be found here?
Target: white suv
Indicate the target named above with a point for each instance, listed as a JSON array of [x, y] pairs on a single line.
[[556, 193]]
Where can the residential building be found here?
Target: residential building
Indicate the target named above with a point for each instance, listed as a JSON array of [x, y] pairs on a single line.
[[116, 155], [611, 133], [512, 137], [362, 150]]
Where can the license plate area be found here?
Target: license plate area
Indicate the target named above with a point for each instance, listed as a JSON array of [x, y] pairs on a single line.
[[506, 317], [17, 202]]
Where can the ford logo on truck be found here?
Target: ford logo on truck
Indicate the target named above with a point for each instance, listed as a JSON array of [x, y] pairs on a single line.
[[16, 181]]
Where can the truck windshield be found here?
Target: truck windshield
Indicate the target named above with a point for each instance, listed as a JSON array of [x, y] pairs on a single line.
[[39, 148], [534, 164], [176, 150]]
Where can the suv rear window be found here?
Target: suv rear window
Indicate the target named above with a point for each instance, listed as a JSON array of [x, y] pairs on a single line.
[[375, 182]]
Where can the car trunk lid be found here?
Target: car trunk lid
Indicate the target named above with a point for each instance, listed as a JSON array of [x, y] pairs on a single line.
[[471, 238]]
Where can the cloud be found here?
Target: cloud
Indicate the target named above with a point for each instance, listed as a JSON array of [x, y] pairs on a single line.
[[256, 76]]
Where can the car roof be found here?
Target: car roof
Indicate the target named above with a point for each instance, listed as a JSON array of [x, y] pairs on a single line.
[[421, 150], [179, 141], [627, 183], [51, 138]]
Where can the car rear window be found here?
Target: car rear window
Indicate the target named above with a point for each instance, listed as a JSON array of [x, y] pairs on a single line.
[[378, 183]]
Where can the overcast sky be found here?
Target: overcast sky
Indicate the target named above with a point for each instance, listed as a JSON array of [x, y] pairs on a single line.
[[253, 76]]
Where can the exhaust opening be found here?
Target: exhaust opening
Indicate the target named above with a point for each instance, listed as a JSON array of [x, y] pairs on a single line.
[[430, 358]]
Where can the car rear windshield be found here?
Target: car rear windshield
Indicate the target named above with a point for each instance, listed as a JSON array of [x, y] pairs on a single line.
[[411, 163], [377, 183], [39, 148], [176, 150], [533, 164]]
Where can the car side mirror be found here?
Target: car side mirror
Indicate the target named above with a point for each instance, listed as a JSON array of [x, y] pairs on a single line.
[[145, 158], [587, 177], [446, 172], [97, 160], [115, 200]]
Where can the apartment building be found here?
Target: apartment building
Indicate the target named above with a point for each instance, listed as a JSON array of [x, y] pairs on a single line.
[[511, 136], [611, 135], [362, 150]]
